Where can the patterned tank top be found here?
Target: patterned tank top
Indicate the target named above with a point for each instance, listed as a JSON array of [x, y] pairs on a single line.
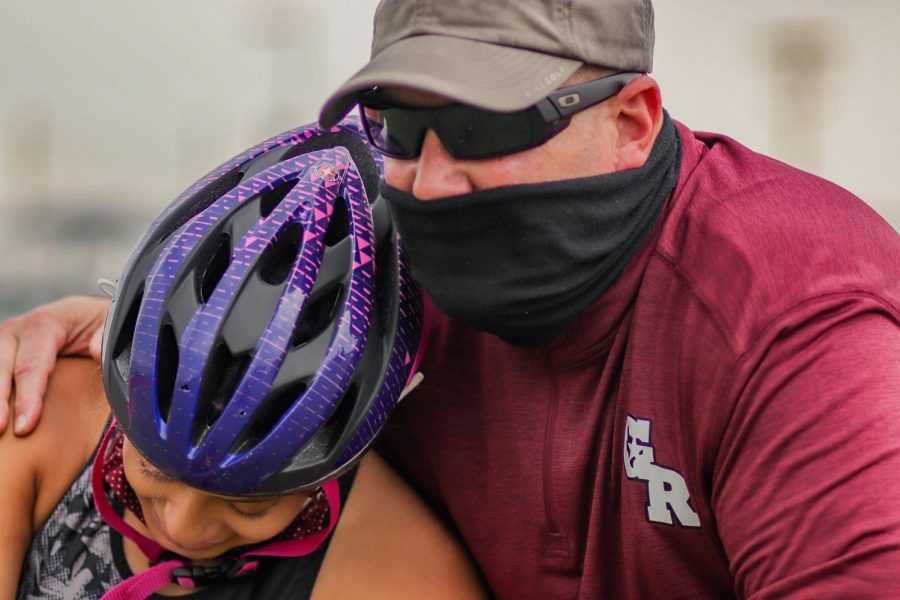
[[76, 555]]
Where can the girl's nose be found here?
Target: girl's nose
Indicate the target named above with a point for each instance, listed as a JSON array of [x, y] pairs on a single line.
[[187, 520]]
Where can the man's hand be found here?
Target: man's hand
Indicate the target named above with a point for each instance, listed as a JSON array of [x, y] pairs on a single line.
[[29, 345]]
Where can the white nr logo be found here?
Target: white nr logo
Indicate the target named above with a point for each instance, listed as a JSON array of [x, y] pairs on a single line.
[[667, 493]]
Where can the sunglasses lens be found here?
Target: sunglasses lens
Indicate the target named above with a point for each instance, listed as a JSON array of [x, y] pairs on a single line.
[[473, 133], [395, 132], [467, 133]]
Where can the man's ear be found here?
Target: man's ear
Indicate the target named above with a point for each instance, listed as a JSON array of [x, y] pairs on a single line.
[[638, 113]]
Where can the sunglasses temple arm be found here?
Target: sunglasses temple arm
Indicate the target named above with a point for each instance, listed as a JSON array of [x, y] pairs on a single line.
[[570, 100]]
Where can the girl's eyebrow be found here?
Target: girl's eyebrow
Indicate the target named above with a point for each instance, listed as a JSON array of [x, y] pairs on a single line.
[[155, 471], [145, 462]]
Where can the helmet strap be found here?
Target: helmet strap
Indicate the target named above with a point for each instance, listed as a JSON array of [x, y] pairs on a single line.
[[303, 536]]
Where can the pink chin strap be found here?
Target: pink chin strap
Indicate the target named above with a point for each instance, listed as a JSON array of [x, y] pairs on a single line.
[[164, 570]]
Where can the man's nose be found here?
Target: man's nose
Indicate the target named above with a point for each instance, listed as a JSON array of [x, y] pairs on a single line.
[[437, 174]]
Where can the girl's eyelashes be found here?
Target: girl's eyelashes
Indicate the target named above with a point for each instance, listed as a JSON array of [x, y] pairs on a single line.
[[158, 476], [250, 515]]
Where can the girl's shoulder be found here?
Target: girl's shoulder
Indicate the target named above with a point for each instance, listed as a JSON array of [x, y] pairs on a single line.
[[38, 469], [389, 543], [75, 414]]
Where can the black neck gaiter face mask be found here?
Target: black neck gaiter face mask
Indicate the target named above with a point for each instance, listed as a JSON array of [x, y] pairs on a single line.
[[523, 261]]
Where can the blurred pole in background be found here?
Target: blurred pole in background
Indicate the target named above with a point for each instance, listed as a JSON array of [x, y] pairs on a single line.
[[800, 56], [26, 136]]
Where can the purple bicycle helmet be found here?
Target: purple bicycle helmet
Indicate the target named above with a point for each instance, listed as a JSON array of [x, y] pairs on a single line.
[[266, 323]]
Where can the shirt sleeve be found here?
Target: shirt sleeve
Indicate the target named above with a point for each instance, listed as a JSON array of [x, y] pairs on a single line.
[[806, 489]]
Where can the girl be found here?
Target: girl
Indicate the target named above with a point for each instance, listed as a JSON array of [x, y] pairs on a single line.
[[260, 335]]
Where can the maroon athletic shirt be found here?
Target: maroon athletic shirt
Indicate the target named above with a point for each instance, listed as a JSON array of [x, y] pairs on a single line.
[[725, 421]]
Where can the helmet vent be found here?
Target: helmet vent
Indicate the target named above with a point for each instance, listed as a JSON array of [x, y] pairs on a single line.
[[215, 263], [323, 441], [269, 200], [339, 418], [166, 369], [278, 403], [122, 347], [339, 227], [386, 275], [318, 314], [221, 376], [278, 260]]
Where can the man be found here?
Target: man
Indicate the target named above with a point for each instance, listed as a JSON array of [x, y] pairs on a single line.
[[662, 365]]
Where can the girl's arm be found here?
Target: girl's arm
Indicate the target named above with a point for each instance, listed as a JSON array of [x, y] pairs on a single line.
[[389, 544], [37, 470]]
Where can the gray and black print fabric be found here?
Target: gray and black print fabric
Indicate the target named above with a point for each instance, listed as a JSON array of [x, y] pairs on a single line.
[[70, 557]]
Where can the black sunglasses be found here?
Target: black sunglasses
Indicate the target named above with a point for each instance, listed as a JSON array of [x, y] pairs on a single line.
[[472, 133]]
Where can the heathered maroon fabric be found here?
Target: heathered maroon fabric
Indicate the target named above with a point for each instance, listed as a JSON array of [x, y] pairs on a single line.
[[757, 333]]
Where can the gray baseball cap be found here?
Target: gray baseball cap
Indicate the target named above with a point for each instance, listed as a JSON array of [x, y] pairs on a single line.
[[501, 55]]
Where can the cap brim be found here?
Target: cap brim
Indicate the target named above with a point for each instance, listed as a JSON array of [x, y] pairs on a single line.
[[488, 76]]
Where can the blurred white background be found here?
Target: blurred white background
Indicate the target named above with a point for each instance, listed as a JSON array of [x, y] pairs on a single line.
[[109, 108]]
